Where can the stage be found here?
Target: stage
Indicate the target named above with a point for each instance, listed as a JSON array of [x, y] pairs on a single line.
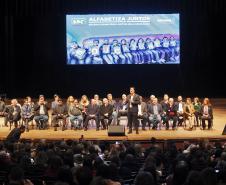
[[219, 113]]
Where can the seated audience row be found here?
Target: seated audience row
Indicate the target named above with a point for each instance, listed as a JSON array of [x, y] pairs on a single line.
[[73, 162]]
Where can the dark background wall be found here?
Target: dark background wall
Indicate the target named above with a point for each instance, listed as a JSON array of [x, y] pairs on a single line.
[[32, 46]]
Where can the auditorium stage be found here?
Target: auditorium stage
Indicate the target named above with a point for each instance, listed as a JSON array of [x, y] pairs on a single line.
[[219, 112]]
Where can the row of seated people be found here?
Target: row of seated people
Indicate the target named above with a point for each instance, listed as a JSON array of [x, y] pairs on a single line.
[[79, 113]]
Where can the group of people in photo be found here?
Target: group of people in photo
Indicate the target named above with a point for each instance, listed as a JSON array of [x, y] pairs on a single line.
[[126, 51], [152, 114]]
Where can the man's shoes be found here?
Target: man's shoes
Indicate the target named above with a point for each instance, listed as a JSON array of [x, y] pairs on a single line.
[[55, 128], [97, 129], [130, 132], [137, 132]]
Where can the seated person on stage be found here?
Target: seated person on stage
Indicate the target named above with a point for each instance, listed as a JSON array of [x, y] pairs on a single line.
[[97, 99], [75, 114], [59, 112], [155, 112], [105, 112], [142, 112], [41, 113], [197, 107], [2, 109], [70, 102], [206, 114], [122, 108], [151, 99], [27, 113], [164, 104], [92, 113], [171, 114], [189, 113], [12, 112], [55, 102], [114, 104], [84, 102], [180, 110]]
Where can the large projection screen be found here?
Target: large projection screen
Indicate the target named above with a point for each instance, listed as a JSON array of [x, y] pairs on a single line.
[[122, 39]]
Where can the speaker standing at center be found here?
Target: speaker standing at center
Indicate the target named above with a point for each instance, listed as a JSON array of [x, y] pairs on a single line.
[[116, 130]]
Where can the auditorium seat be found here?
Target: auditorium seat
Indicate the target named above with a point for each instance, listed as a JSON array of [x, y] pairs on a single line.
[[3, 177]]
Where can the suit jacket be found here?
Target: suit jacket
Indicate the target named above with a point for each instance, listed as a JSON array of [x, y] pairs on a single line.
[[210, 111], [114, 104], [144, 107], [151, 110], [60, 109], [134, 104], [37, 109], [164, 106], [106, 109], [92, 109], [183, 105], [10, 109]]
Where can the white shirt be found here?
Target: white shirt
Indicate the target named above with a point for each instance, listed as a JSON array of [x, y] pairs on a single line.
[[131, 99], [155, 109], [180, 108], [41, 111], [139, 109], [206, 110]]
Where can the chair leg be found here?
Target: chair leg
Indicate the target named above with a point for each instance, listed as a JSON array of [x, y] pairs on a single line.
[[10, 125]]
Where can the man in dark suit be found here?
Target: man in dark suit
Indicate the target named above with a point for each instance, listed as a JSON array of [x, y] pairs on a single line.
[[13, 112], [59, 112], [105, 112], [15, 134], [180, 110], [133, 101], [92, 113], [155, 112]]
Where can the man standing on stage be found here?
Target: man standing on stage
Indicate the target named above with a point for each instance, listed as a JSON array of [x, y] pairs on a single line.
[[133, 101]]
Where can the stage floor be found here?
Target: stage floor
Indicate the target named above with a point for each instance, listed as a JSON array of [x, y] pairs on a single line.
[[219, 112]]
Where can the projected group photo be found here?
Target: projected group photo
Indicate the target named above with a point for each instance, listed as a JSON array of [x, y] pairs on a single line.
[[123, 39]]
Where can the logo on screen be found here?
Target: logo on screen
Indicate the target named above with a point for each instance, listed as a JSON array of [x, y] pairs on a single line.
[[78, 21]]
